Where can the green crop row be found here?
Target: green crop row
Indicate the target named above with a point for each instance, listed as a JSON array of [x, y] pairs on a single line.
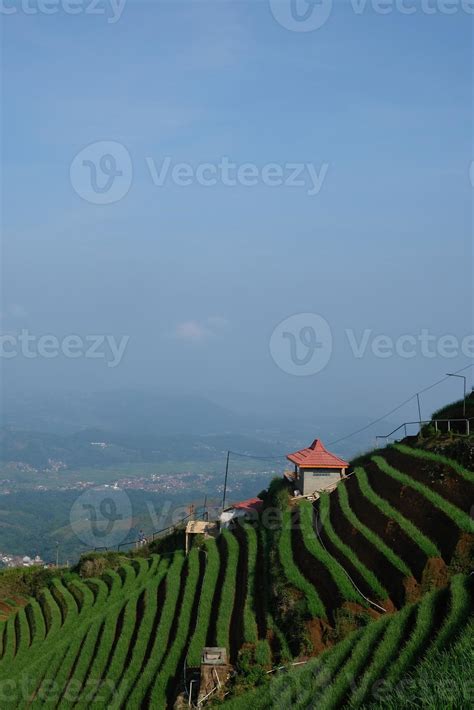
[[383, 654], [284, 651], [211, 574], [460, 607], [369, 534], [51, 610], [439, 680], [351, 673], [334, 695], [160, 643], [65, 599], [437, 458], [226, 604], [313, 546], [250, 625], [36, 621], [422, 629], [170, 665], [347, 551], [10, 641], [136, 662], [23, 634], [83, 595], [458, 516], [100, 590], [293, 574], [423, 542], [115, 669]]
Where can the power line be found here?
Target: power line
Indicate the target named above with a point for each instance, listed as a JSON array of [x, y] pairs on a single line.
[[379, 419], [364, 428]]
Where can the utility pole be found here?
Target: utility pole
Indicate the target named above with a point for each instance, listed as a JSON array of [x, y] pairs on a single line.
[[419, 407], [452, 374], [225, 480]]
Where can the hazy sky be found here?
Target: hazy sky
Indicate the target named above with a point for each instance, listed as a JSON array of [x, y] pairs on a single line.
[[370, 112]]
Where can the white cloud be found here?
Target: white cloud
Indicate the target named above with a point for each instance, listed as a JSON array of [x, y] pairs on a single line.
[[197, 331]]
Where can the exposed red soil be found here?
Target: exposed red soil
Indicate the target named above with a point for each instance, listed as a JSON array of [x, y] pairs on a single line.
[[438, 476], [430, 520], [436, 574], [6, 608], [388, 575], [320, 634], [212, 628], [412, 590], [236, 635], [314, 571], [359, 609], [386, 528], [463, 557]]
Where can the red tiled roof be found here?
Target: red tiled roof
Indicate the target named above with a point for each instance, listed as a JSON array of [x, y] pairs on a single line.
[[316, 456], [255, 503]]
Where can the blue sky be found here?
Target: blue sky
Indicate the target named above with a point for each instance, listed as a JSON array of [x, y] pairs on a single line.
[[198, 277]]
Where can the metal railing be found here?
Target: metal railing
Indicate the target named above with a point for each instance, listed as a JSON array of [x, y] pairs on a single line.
[[434, 422], [195, 515]]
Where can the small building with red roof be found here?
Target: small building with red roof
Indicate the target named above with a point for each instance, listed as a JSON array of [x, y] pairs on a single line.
[[316, 468], [245, 509]]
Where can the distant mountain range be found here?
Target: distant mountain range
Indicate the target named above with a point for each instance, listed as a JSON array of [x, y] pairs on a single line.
[[100, 448], [131, 411]]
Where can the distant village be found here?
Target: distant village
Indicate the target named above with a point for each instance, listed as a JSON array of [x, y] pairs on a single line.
[[7, 560]]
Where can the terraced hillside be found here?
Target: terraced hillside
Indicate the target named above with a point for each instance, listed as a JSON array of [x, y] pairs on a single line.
[[391, 663], [317, 578]]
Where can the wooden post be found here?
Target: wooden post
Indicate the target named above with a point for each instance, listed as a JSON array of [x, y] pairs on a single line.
[[225, 480]]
